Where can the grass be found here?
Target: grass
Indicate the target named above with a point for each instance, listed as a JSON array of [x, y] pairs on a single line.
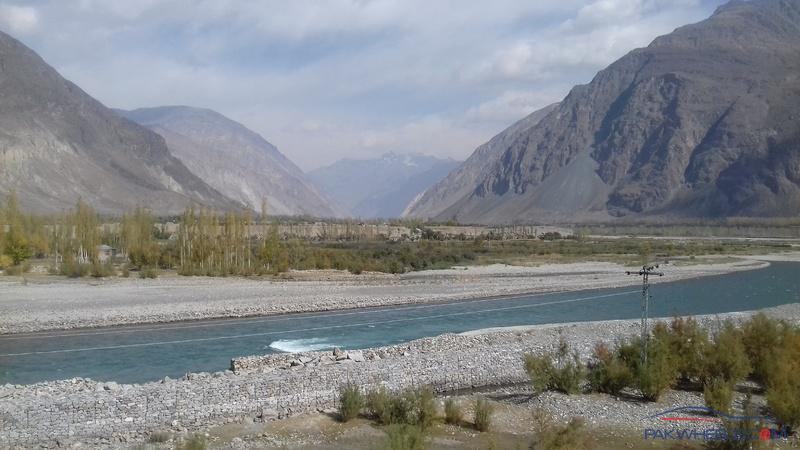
[[350, 402], [483, 414]]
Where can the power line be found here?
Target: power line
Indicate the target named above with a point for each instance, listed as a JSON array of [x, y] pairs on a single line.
[[645, 273]]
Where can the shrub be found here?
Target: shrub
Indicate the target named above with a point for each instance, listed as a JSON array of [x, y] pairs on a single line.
[[405, 437], [453, 414], [126, 272], [761, 336], [100, 270], [160, 436], [425, 407], [783, 387], [350, 402], [195, 442], [552, 436], [565, 376], [5, 261], [483, 414], [689, 343], [608, 373], [569, 373], [379, 405], [718, 394], [73, 269], [726, 357], [148, 272], [14, 270], [401, 408], [659, 372], [540, 371]]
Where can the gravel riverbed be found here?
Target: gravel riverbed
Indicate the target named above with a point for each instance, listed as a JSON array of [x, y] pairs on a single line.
[[84, 412], [48, 303]]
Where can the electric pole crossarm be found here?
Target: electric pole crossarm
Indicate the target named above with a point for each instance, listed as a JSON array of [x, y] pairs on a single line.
[[645, 273]]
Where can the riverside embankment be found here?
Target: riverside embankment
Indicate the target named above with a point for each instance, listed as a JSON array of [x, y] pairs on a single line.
[[84, 412]]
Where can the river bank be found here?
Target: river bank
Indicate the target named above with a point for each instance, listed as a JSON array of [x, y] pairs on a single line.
[[85, 412], [48, 303]]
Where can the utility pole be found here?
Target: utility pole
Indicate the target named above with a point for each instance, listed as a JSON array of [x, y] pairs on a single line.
[[645, 273]]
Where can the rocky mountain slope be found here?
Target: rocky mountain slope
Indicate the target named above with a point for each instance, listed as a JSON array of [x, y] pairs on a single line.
[[380, 187], [701, 123], [58, 144], [462, 181], [236, 161]]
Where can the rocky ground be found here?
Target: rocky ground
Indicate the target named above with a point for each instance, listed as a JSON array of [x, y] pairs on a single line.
[[45, 303], [610, 422], [478, 363]]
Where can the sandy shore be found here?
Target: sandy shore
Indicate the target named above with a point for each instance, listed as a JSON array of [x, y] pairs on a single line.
[[46, 303]]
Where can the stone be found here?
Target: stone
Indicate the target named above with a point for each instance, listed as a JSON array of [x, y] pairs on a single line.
[[356, 356], [337, 352]]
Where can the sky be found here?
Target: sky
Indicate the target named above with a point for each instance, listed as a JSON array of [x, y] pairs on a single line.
[[329, 79]]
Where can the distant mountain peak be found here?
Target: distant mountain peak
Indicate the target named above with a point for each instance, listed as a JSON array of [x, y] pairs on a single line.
[[382, 186], [235, 160]]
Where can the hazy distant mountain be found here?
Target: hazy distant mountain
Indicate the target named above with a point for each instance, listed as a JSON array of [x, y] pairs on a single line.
[[58, 144], [380, 187], [461, 181], [701, 123], [234, 160]]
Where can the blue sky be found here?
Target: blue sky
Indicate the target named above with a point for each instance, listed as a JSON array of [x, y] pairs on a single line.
[[324, 80]]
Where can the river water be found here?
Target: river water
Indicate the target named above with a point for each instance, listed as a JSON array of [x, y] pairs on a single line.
[[134, 354]]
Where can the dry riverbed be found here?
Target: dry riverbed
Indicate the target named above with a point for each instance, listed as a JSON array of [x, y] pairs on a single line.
[[46, 303]]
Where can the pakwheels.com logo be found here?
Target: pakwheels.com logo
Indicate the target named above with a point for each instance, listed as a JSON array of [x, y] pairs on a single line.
[[723, 427]]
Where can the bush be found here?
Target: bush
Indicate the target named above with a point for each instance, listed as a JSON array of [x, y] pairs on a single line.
[[73, 269], [783, 387], [483, 414], [379, 405], [565, 376], [659, 372], [425, 407], [5, 261], [405, 437], [761, 336], [453, 414], [569, 373], [540, 371], [350, 402], [726, 357], [689, 342], [99, 270], [411, 407], [160, 436], [126, 271], [552, 436], [195, 442], [15, 270], [718, 394], [608, 373], [148, 272]]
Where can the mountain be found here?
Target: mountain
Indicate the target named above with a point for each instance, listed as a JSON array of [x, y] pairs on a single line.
[[461, 181], [236, 161], [58, 144], [380, 187], [701, 123]]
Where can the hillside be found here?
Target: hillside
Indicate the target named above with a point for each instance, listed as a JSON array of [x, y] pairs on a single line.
[[58, 144], [701, 123], [236, 161]]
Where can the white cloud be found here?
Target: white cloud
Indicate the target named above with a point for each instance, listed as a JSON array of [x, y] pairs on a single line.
[[18, 19], [329, 79]]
